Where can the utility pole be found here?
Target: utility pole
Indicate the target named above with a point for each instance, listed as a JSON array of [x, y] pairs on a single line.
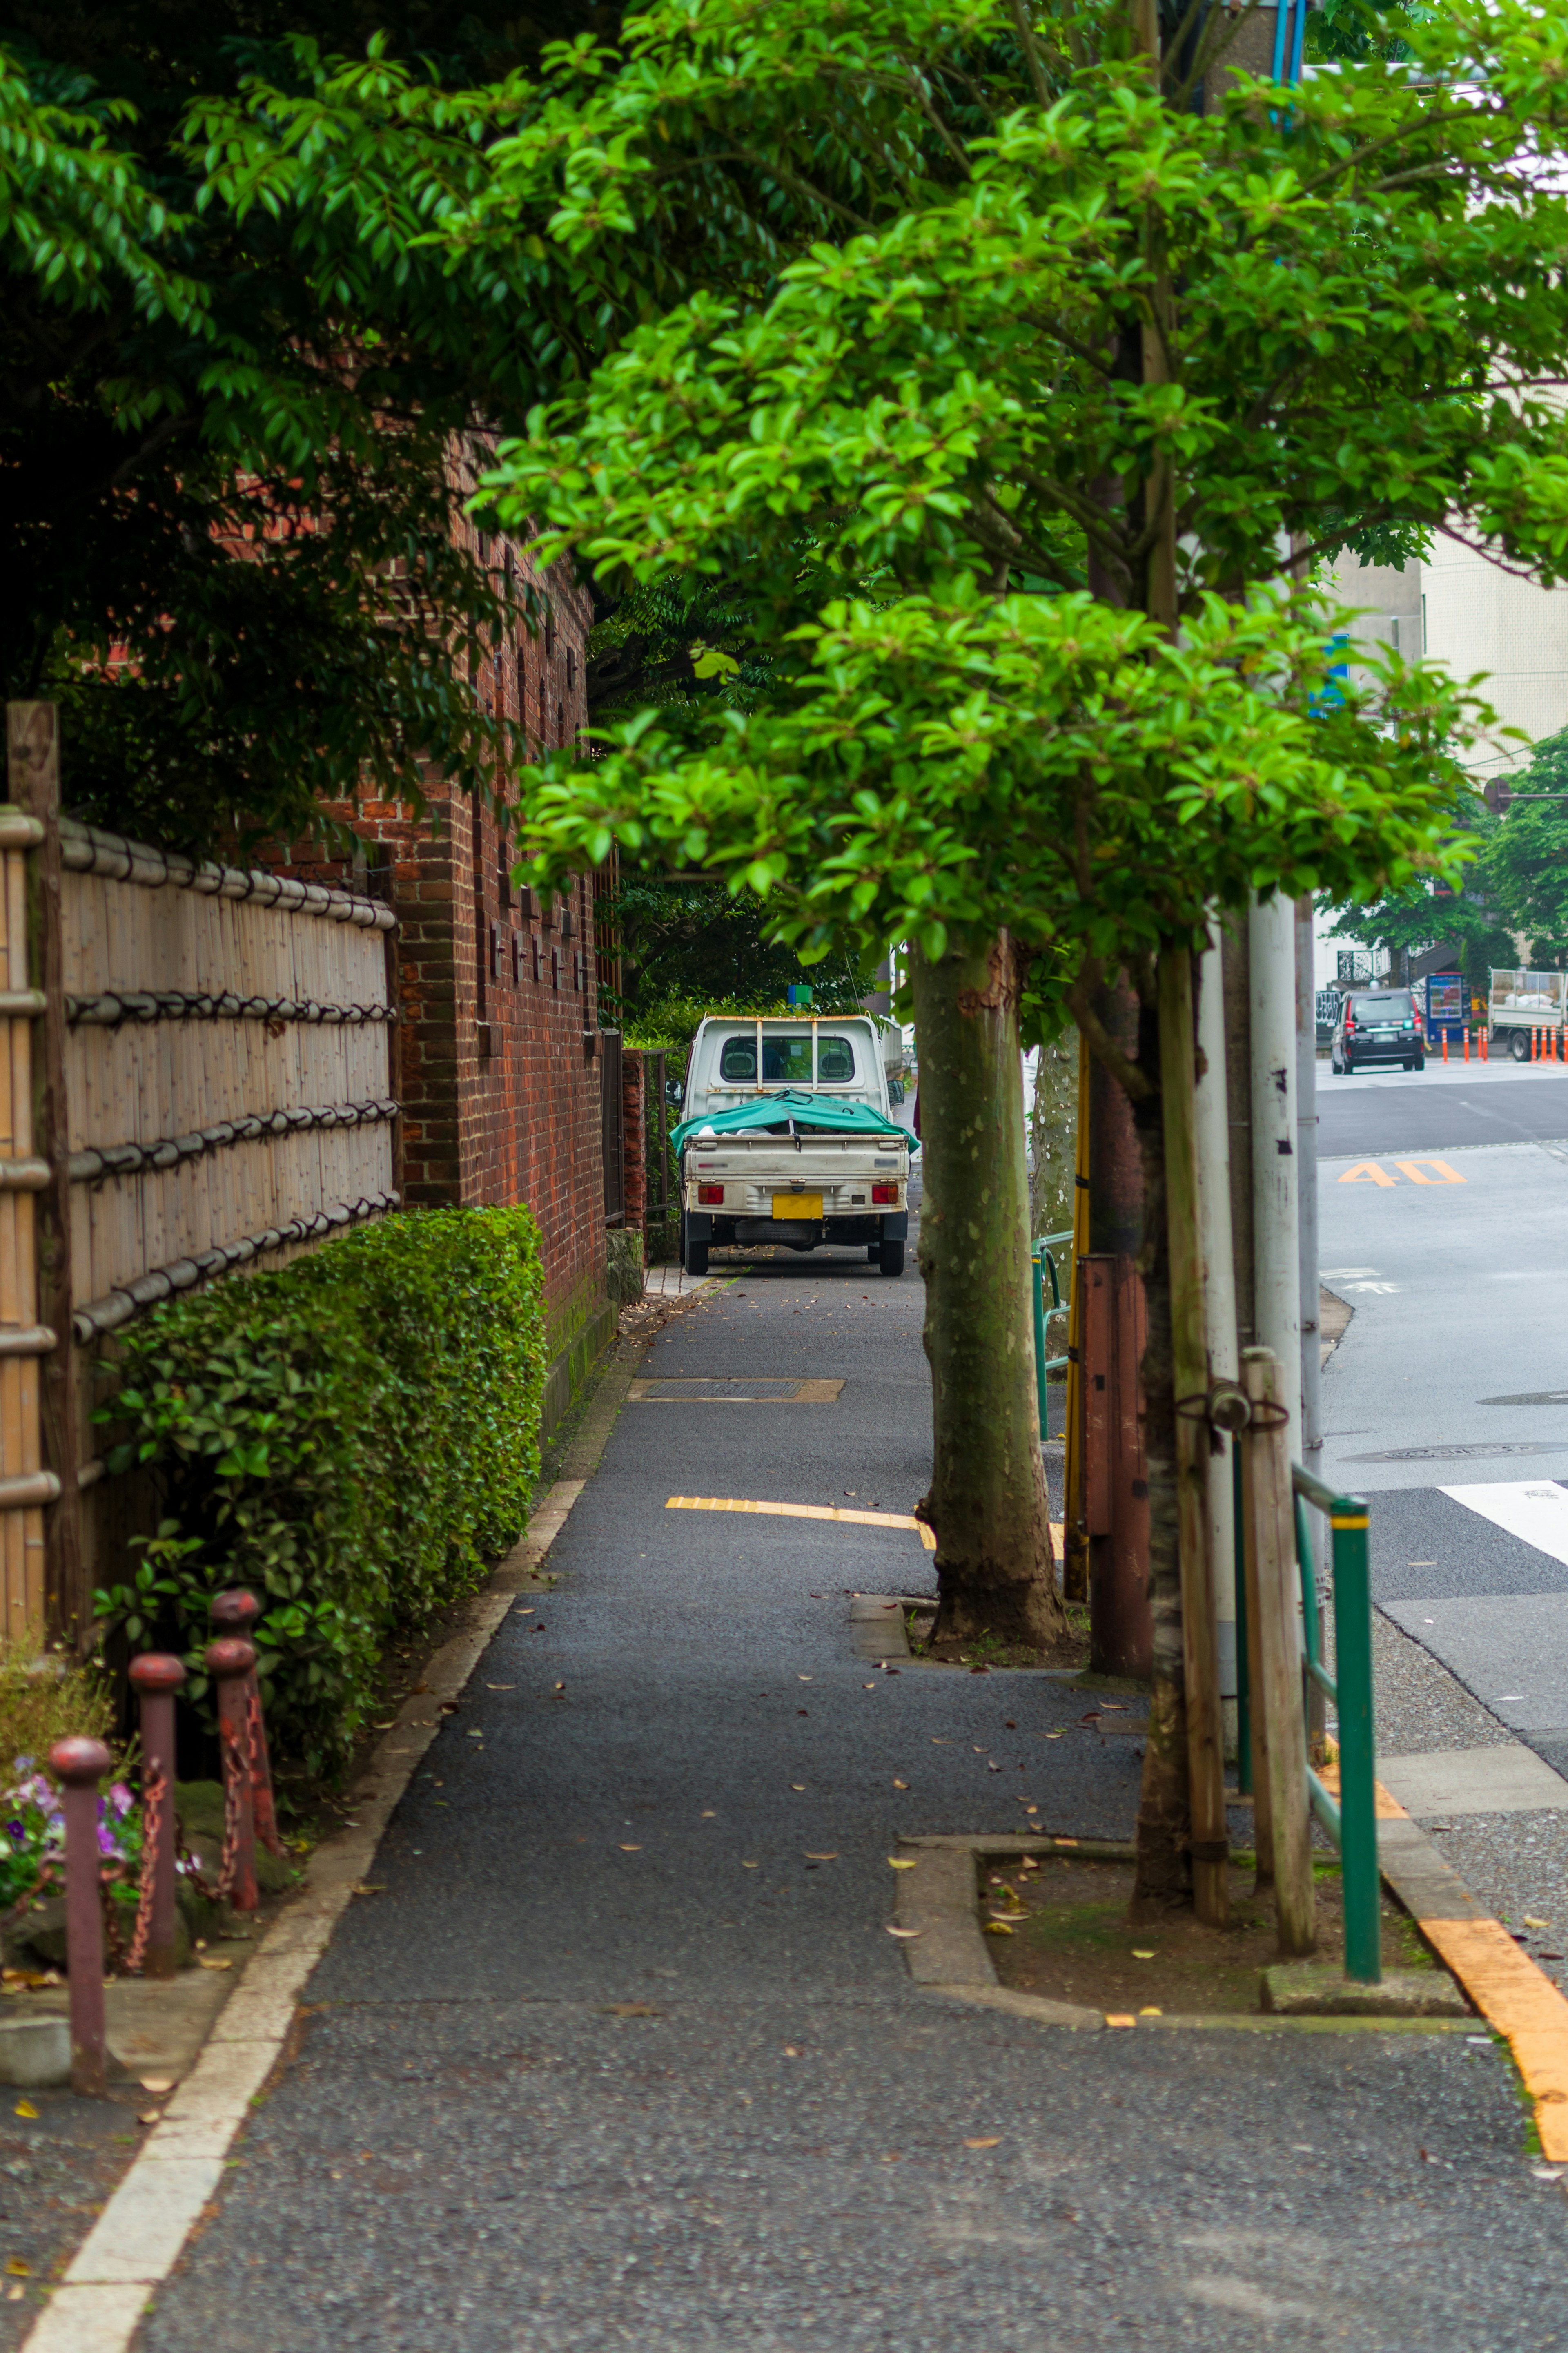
[[1220, 1303], [1276, 1249], [1307, 1186]]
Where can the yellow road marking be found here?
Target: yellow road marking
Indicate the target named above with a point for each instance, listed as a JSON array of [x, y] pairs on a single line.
[[1513, 1994], [1366, 1172], [803, 1512], [1412, 1168]]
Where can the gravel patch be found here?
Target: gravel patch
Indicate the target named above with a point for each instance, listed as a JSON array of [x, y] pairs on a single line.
[[1419, 1705]]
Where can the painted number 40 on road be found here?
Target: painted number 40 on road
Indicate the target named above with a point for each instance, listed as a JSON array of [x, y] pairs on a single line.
[[1415, 1172]]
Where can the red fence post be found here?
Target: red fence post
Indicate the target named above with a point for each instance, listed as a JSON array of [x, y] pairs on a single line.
[[81, 1765], [237, 1613], [157, 1676], [229, 1664]]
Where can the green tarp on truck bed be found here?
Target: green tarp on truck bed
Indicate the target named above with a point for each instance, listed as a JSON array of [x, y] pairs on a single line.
[[806, 1110]]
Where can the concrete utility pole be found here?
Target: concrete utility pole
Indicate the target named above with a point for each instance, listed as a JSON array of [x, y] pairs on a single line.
[[1307, 1186], [1212, 1097], [1276, 1248]]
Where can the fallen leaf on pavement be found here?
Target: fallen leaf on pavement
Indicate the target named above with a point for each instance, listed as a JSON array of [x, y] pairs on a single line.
[[1120, 2017], [708, 1814], [900, 1785], [804, 1679], [631, 1849], [797, 1784], [940, 1744], [867, 1686], [157, 2083], [999, 1928], [789, 2052], [1151, 2012], [750, 1866], [832, 1856], [903, 1863], [902, 1932], [1140, 1954], [18, 2269], [500, 1687], [26, 2108], [1531, 1922], [362, 1887], [1053, 1735], [206, 1961], [151, 2117], [631, 2009], [993, 2140]]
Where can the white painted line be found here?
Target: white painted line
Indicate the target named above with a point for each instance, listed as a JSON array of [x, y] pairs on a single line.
[[138, 2238], [1534, 1509]]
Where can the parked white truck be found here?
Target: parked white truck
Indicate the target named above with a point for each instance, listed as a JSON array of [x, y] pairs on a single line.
[[785, 1138], [1522, 1005]]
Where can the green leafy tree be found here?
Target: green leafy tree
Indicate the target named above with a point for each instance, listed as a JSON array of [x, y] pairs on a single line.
[[1527, 861], [1043, 366]]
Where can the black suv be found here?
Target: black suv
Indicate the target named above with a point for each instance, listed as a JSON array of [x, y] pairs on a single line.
[[1377, 1026]]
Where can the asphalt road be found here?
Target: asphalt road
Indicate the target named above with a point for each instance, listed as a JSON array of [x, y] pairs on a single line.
[[624, 2055], [1442, 1107], [1447, 1401]]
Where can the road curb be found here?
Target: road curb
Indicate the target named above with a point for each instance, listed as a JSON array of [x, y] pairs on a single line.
[[1512, 1994]]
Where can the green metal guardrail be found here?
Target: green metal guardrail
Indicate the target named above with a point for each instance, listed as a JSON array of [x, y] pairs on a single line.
[[1352, 1821], [1043, 1264]]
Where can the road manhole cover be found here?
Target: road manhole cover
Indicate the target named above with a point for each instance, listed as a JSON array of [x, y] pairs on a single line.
[[1452, 1453]]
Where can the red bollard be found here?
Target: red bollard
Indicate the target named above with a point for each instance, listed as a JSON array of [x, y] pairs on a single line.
[[82, 1765], [157, 1676], [237, 1613], [1486, 1045], [229, 1663], [1444, 1045], [1467, 1037]]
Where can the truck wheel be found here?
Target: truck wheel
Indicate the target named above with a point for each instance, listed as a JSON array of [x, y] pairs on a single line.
[[693, 1255], [1519, 1045], [890, 1257]]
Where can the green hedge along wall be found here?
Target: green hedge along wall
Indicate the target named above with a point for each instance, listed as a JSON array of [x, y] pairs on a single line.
[[351, 1436]]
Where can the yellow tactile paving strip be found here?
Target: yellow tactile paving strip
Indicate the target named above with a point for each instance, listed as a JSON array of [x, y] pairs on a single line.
[[803, 1512], [1513, 1994]]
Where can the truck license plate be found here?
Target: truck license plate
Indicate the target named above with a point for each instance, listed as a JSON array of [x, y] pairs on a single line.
[[795, 1206]]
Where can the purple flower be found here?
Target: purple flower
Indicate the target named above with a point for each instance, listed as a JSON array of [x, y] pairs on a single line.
[[106, 1841], [121, 1798]]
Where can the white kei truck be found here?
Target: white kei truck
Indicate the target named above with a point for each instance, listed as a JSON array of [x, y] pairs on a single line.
[[1526, 1009], [785, 1138]]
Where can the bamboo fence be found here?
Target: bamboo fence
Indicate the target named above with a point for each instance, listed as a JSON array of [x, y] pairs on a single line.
[[198, 1077]]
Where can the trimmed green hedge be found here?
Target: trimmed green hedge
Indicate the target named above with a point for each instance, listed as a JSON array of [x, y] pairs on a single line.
[[352, 1436]]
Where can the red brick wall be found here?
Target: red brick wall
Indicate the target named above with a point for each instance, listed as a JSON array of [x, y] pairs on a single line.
[[498, 1076]]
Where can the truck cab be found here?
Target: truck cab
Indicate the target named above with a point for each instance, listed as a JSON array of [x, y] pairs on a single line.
[[787, 1138]]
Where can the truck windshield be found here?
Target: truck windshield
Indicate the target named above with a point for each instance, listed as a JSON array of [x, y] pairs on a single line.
[[786, 1060]]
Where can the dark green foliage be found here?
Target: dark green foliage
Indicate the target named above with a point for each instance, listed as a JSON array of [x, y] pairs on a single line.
[[353, 1436], [687, 942], [1527, 858]]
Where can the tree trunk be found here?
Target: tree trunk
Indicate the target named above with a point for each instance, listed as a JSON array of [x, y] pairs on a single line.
[[1162, 1875], [995, 1569]]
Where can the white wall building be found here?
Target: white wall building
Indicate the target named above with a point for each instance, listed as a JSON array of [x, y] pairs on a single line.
[[1461, 611]]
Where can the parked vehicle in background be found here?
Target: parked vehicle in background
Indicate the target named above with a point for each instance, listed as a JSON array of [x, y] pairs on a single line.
[[1378, 1025], [1523, 1003], [787, 1139]]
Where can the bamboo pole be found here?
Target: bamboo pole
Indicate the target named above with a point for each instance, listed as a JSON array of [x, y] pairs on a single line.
[[1210, 1847], [1279, 1720], [33, 746]]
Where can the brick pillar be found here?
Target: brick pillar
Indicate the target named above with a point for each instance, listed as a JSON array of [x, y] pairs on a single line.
[[635, 1117]]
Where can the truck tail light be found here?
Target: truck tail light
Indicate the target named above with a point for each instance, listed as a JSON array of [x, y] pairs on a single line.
[[885, 1194], [711, 1193]]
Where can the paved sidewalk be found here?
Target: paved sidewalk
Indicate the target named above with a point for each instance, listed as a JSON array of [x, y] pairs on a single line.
[[625, 2054]]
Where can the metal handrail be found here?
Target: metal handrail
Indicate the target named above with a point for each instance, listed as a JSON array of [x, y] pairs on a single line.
[[1041, 1262], [1350, 1820]]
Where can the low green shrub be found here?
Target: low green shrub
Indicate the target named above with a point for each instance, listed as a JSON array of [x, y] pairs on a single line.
[[351, 1436]]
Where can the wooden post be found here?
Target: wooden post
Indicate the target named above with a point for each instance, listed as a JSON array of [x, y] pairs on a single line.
[[1210, 1846], [1274, 1642], [33, 751]]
